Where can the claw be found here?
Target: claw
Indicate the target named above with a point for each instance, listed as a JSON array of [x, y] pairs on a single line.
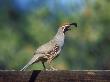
[[53, 69]]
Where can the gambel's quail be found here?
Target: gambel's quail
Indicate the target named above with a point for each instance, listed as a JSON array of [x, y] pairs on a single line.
[[51, 49]]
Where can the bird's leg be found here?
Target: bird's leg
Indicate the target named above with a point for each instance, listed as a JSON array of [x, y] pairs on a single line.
[[44, 65], [51, 67]]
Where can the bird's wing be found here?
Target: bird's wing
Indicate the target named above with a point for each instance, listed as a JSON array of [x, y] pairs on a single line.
[[44, 49], [48, 47]]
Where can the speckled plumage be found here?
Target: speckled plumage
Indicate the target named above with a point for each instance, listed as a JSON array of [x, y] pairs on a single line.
[[51, 49]]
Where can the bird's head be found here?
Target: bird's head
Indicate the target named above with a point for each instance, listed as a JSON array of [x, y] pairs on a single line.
[[67, 27]]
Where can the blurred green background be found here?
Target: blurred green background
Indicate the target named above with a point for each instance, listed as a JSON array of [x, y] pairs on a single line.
[[26, 24]]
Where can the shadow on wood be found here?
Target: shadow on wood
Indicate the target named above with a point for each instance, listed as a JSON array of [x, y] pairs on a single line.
[[55, 76], [34, 76]]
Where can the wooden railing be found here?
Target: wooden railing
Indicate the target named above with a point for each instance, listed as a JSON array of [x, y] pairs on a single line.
[[55, 76]]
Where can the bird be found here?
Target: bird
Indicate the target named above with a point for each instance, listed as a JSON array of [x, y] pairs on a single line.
[[50, 50]]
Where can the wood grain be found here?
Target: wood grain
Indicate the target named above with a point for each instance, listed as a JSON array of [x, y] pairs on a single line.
[[55, 76]]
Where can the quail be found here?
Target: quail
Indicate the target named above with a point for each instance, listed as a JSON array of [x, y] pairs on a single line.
[[51, 49]]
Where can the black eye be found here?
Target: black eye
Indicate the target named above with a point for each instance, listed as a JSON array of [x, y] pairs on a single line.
[[63, 27]]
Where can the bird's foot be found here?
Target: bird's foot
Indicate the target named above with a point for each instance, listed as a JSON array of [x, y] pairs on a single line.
[[47, 69], [51, 69]]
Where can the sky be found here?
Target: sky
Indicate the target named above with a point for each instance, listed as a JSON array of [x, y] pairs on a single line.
[[53, 5]]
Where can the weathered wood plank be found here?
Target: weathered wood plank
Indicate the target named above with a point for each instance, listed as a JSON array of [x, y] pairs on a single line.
[[55, 76]]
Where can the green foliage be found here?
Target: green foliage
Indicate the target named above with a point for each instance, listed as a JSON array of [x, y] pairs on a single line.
[[86, 47]]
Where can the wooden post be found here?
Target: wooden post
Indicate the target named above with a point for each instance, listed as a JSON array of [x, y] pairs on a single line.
[[55, 76]]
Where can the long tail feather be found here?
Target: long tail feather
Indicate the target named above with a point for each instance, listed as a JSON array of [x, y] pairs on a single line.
[[26, 66], [34, 59]]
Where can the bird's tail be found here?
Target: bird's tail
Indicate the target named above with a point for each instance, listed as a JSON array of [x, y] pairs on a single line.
[[33, 60], [26, 66]]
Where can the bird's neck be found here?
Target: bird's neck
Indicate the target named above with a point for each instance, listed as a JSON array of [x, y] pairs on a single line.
[[59, 38]]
